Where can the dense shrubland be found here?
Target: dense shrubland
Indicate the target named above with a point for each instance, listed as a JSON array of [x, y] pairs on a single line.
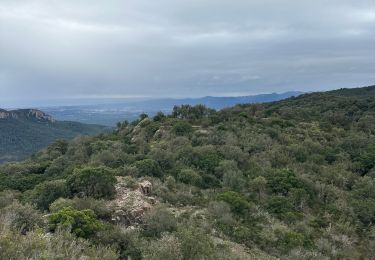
[[292, 179]]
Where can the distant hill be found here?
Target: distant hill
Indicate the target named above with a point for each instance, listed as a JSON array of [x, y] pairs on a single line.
[[110, 114], [25, 131]]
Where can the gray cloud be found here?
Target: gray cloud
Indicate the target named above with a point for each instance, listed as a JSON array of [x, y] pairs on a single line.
[[93, 48]]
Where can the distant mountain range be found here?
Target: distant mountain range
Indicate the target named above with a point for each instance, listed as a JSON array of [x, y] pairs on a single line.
[[25, 131], [110, 114]]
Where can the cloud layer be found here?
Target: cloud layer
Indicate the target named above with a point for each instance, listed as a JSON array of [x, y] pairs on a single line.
[[94, 48]]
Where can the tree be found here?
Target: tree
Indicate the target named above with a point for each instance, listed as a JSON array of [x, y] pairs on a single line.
[[192, 112], [160, 116], [97, 182], [143, 116]]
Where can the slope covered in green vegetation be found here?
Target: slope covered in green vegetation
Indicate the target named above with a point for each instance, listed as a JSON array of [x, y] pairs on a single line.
[[292, 179], [26, 131]]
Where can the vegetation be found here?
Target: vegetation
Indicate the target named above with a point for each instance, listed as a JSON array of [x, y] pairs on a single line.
[[26, 131], [96, 182], [292, 179]]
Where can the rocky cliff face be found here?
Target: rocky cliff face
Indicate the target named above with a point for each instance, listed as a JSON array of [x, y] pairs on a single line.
[[6, 114], [32, 114]]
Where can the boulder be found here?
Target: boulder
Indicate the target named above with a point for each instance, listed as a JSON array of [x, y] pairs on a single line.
[[145, 187]]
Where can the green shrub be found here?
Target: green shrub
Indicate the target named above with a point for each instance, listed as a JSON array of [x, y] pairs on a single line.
[[8, 197], [236, 201], [280, 182], [148, 167], [21, 218], [82, 223], [182, 128], [20, 182], [157, 221], [100, 207], [189, 176], [206, 158], [279, 206], [289, 240], [127, 170], [60, 245], [232, 177], [167, 247], [195, 243], [96, 182], [47, 192]]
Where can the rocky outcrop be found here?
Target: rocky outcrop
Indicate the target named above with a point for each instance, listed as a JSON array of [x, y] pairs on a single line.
[[137, 131], [32, 114], [39, 115], [162, 132], [130, 205], [203, 132], [4, 114]]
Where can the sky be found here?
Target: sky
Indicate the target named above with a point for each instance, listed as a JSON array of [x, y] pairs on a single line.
[[93, 49]]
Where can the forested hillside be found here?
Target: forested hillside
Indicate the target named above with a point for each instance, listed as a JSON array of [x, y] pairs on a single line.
[[25, 131], [292, 179]]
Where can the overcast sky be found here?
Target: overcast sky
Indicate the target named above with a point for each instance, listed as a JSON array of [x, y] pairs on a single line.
[[174, 48]]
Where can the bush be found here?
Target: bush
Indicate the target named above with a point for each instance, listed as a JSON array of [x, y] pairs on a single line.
[[236, 201], [127, 170], [159, 220], [116, 237], [60, 245], [167, 248], [148, 167], [190, 176], [96, 182], [100, 207], [47, 192], [289, 240], [206, 158], [20, 182], [279, 205], [82, 223], [195, 243], [232, 177], [21, 218], [182, 128], [281, 182], [221, 212], [8, 197]]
